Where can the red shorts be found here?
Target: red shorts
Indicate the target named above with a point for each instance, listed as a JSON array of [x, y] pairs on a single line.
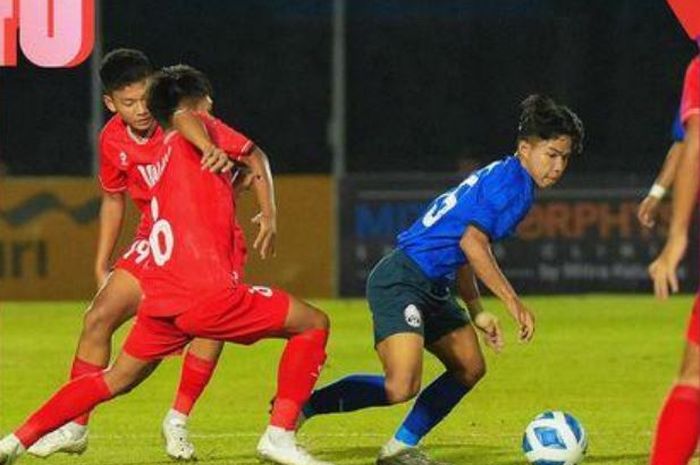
[[243, 314], [135, 257], [693, 333]]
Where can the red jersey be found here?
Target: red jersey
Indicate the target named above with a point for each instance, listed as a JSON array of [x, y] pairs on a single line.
[[193, 249], [690, 102], [128, 163]]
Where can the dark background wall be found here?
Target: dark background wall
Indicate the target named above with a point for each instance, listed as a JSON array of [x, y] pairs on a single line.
[[428, 81]]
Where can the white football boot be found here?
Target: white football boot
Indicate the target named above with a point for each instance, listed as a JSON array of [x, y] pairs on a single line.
[[10, 449], [176, 436], [280, 446], [71, 438]]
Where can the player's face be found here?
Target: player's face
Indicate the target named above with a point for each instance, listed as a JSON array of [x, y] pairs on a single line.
[[545, 159], [130, 103]]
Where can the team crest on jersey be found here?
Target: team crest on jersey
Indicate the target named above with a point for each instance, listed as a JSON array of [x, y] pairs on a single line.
[[123, 159], [413, 316]]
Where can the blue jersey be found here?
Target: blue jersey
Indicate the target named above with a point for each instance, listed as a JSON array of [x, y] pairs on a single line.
[[677, 130], [494, 199]]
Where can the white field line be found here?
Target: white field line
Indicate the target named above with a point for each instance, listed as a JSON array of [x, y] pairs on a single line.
[[443, 438]]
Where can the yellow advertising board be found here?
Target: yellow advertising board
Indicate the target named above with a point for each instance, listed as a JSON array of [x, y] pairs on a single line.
[[49, 226], [306, 236]]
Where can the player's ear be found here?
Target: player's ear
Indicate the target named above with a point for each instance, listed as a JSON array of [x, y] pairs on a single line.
[[109, 103], [524, 148]]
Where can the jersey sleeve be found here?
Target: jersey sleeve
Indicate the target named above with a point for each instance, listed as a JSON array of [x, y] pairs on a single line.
[[690, 102], [228, 139], [111, 178], [491, 205]]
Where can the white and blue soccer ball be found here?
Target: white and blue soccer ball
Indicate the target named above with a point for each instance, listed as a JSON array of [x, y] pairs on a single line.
[[555, 438]]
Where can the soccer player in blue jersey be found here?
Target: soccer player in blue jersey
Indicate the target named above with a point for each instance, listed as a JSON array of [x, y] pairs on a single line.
[[649, 207], [411, 291]]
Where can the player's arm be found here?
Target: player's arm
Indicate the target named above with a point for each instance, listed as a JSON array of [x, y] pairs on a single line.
[[263, 187], [476, 245], [663, 269], [192, 128], [111, 219], [648, 208], [486, 322]]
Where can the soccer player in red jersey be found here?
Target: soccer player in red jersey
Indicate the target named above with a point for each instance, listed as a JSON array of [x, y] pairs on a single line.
[[128, 146], [678, 427], [189, 289]]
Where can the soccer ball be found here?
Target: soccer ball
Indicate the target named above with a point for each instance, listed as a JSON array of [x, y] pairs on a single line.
[[554, 438]]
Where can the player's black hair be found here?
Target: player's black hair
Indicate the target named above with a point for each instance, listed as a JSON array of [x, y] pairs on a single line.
[[123, 67], [542, 117], [172, 85]]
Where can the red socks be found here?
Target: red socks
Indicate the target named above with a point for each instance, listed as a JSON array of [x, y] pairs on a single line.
[[298, 372], [82, 368], [678, 427], [75, 398], [196, 373]]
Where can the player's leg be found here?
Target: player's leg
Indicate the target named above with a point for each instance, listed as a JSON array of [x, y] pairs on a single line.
[[402, 360], [75, 398], [460, 353], [245, 314], [197, 369], [394, 292], [306, 330], [678, 427], [115, 303]]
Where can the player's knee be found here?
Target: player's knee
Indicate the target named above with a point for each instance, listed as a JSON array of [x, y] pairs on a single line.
[[471, 375], [690, 368], [689, 375], [321, 320], [118, 382], [99, 323], [401, 391], [317, 319]]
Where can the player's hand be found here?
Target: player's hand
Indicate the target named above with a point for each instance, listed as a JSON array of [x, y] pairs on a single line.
[[265, 242], [525, 319], [647, 211], [663, 270], [216, 160], [489, 325]]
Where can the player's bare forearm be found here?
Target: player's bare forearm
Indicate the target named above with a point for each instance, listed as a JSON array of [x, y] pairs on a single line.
[[192, 129], [262, 182], [670, 166], [264, 190], [111, 219], [477, 247], [468, 290], [649, 207], [485, 322], [686, 180]]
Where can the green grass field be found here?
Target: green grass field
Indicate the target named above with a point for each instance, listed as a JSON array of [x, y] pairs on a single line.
[[607, 359]]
